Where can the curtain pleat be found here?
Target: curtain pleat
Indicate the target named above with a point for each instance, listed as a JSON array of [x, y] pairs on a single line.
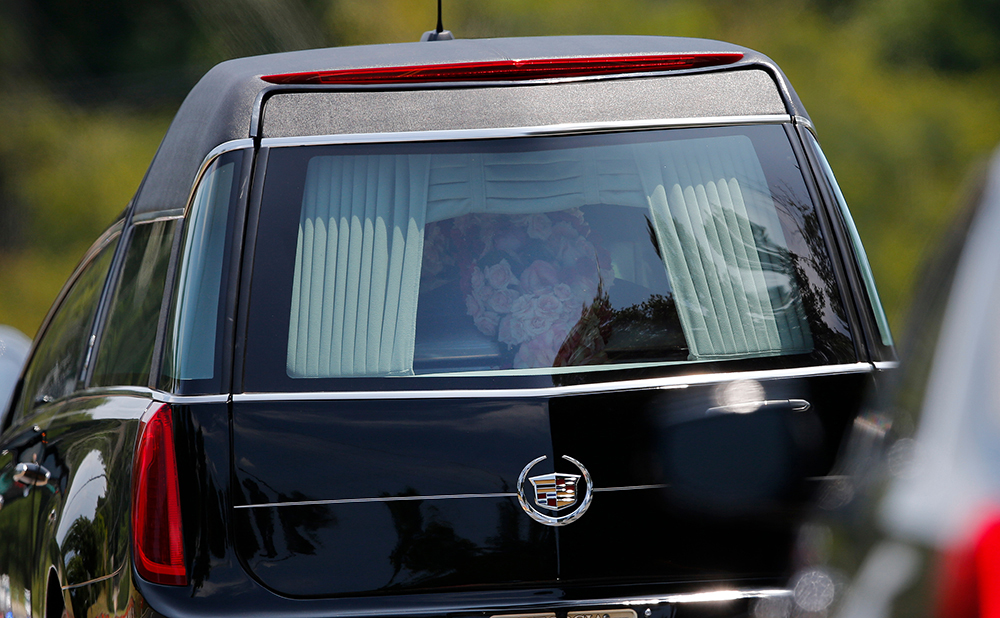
[[360, 242], [721, 241], [357, 266], [522, 183]]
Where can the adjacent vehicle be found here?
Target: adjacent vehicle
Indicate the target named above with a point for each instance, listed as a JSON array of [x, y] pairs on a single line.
[[551, 327], [914, 526]]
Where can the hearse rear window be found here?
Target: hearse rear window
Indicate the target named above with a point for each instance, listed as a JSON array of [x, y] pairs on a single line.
[[539, 256]]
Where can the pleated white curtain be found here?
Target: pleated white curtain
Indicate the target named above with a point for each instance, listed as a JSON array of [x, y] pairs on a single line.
[[521, 183], [718, 232], [360, 244], [357, 266]]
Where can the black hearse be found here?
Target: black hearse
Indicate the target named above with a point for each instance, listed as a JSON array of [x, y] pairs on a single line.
[[552, 327]]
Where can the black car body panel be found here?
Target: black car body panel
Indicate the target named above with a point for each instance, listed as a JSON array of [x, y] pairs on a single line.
[[654, 460]]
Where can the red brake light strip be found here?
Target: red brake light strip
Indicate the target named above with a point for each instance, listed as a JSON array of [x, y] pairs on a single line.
[[507, 70], [156, 518]]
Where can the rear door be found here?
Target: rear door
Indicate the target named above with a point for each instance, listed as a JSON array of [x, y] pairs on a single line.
[[602, 358]]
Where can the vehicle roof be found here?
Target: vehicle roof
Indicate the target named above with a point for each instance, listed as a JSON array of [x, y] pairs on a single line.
[[221, 106]]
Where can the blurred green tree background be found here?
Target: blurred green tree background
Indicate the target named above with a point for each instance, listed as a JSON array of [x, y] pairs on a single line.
[[903, 93]]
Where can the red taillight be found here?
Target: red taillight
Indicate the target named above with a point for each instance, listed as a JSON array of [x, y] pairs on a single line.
[[156, 507], [504, 70], [969, 577]]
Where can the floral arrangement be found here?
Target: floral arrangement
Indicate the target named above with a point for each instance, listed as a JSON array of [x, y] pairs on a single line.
[[528, 280]]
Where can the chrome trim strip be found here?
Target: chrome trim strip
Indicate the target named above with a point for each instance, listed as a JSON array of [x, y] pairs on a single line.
[[432, 497], [630, 488], [883, 365], [156, 216], [135, 391], [221, 149], [549, 604], [802, 120], [713, 596], [557, 391], [148, 393], [367, 500], [536, 131], [184, 399], [95, 580]]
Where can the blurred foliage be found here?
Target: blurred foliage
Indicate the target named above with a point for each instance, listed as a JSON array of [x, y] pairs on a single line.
[[902, 92]]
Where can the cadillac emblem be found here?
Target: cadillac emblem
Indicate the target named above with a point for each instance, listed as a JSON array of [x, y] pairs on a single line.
[[554, 492]]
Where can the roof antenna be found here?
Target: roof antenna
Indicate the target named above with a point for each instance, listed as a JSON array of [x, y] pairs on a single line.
[[439, 34]]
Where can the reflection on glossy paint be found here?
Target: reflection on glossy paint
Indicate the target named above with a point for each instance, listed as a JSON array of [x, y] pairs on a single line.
[[772, 607], [814, 590], [88, 487], [5, 600], [740, 396]]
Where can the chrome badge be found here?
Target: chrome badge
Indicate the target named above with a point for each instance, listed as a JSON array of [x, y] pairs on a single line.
[[554, 492]]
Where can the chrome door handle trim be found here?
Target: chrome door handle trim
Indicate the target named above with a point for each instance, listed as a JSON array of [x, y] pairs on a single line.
[[796, 405]]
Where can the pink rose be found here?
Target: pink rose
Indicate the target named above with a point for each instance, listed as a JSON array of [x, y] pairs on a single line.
[[539, 275], [534, 353], [483, 294], [539, 226], [487, 322], [477, 280], [558, 334], [511, 331], [562, 292], [500, 275], [472, 306], [548, 305], [537, 325], [502, 300], [522, 306]]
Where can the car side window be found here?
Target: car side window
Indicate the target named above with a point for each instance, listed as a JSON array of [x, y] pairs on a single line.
[[125, 351], [191, 350], [56, 367], [866, 270]]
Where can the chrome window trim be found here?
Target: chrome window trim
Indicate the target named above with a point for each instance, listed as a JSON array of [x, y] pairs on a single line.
[[163, 397], [805, 122], [885, 365], [218, 151], [535, 131], [674, 382], [154, 395], [508, 494], [215, 153], [145, 218]]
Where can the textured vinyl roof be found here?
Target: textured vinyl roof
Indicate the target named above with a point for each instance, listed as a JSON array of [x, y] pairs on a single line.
[[220, 107]]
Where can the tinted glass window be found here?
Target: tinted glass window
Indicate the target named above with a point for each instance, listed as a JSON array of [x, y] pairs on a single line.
[[56, 367], [126, 348], [192, 351], [539, 256], [866, 270]]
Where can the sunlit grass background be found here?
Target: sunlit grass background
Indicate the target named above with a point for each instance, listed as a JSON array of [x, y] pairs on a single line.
[[903, 93]]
